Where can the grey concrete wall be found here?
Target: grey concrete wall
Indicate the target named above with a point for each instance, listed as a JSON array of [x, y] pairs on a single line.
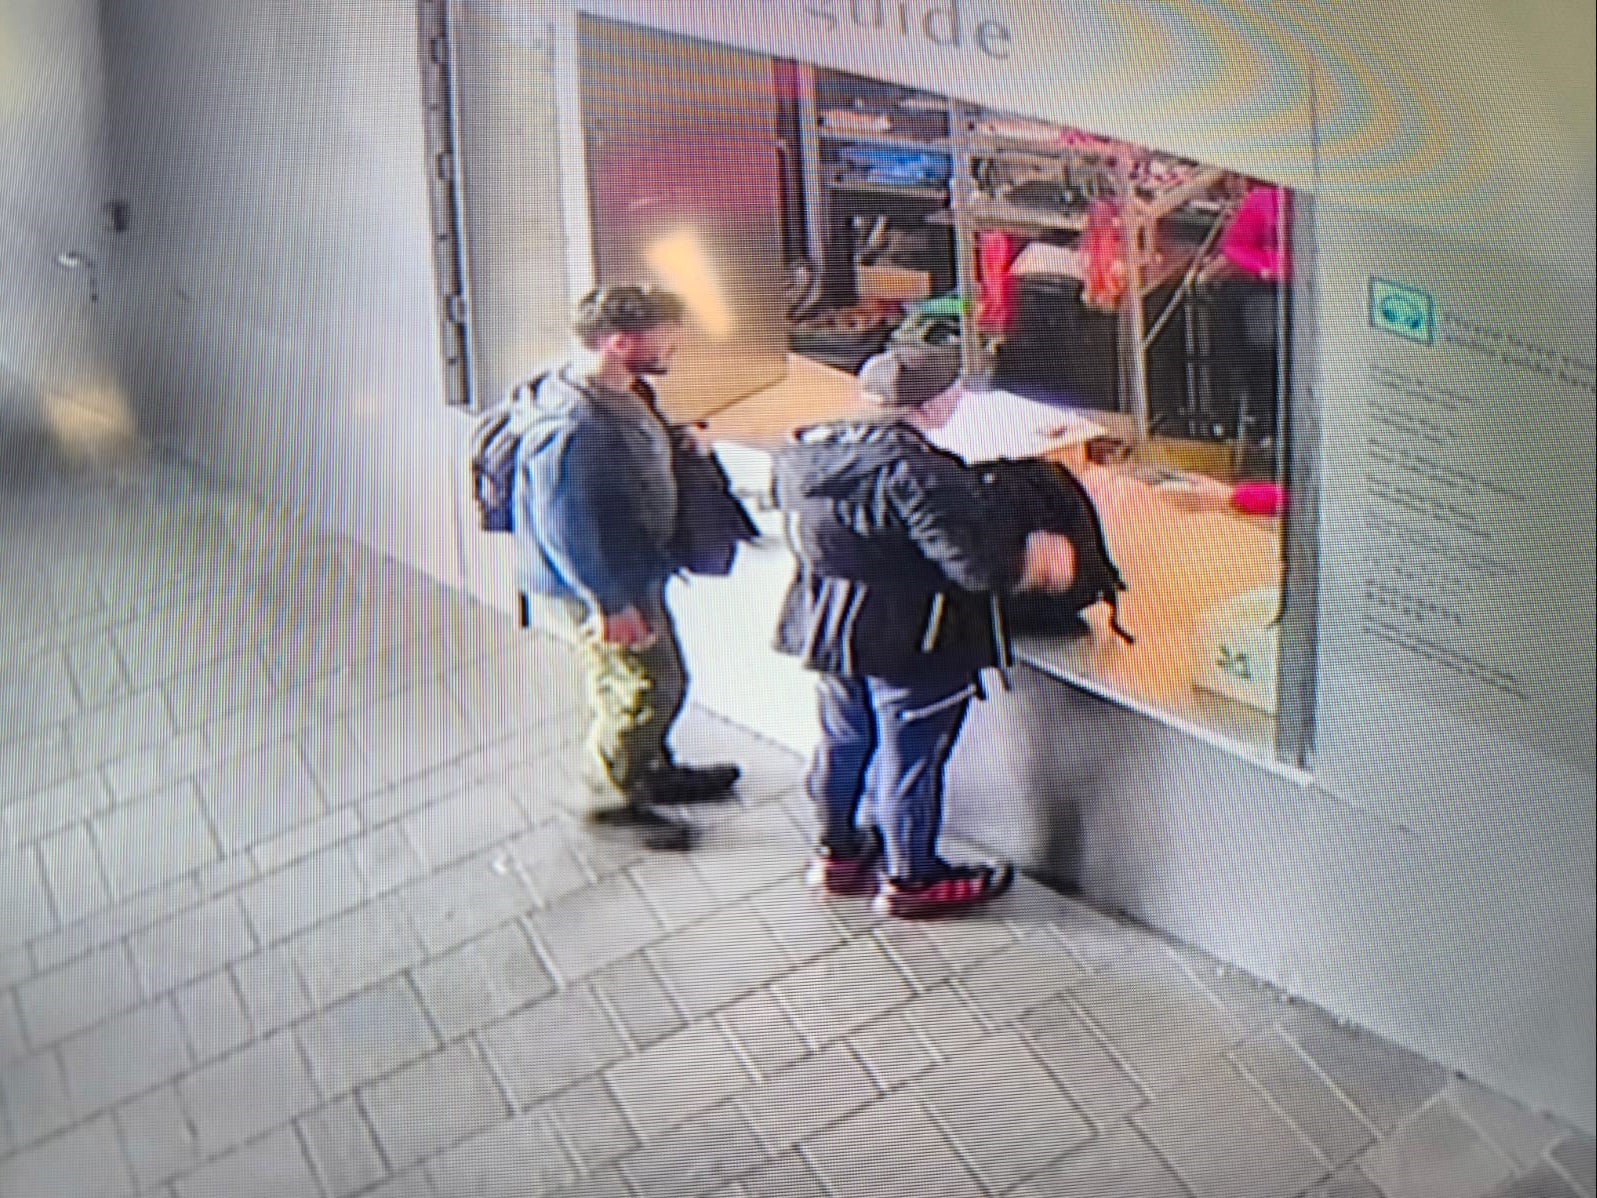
[[51, 189], [274, 299]]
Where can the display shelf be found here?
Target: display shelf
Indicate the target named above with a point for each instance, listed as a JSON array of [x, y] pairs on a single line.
[[886, 141], [906, 191]]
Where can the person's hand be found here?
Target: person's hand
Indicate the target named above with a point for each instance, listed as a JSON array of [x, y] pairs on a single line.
[[697, 435], [626, 629], [1050, 563]]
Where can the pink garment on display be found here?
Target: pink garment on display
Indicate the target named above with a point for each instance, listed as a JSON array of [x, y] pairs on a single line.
[[1251, 242]]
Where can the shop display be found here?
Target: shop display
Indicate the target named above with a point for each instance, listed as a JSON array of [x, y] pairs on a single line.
[[1236, 648]]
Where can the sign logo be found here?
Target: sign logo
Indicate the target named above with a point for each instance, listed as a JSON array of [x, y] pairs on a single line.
[[1402, 311]]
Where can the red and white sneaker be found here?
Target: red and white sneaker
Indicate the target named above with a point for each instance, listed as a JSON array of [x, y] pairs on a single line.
[[957, 891], [833, 873]]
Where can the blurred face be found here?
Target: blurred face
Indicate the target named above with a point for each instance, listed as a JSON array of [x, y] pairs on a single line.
[[649, 352]]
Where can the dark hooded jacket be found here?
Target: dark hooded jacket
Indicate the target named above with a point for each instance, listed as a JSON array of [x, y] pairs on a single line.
[[902, 557]]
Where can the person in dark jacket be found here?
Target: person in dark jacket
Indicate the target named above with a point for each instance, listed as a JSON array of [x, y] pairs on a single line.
[[897, 604], [594, 513]]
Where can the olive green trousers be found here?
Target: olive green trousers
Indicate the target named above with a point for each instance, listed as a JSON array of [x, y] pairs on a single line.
[[634, 696]]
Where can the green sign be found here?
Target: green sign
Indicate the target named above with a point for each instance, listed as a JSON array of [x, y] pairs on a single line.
[[1402, 311]]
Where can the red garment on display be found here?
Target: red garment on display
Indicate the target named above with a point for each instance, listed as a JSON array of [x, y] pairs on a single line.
[[1252, 241], [1103, 246], [996, 298]]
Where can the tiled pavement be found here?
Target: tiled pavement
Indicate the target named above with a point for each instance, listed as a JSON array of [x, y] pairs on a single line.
[[289, 907]]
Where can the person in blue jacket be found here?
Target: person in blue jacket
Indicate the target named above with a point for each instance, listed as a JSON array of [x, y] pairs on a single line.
[[594, 512], [897, 605]]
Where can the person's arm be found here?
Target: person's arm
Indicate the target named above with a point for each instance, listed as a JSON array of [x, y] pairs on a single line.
[[956, 526]]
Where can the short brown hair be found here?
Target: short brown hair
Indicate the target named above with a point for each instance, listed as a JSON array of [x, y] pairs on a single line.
[[624, 308]]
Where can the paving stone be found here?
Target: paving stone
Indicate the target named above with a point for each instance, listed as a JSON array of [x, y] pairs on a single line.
[[608, 1182], [158, 768], [966, 941], [1541, 1182], [914, 952], [216, 689], [272, 991], [354, 951], [1224, 1140], [592, 1123], [718, 960], [677, 1078], [303, 894], [806, 1097], [301, 842], [341, 1148], [1318, 1111], [1519, 1134], [35, 692], [213, 1016], [674, 889], [1081, 1063], [1160, 1023], [35, 762], [945, 1020], [547, 1047], [123, 1056], [123, 726], [157, 1136], [632, 991], [1020, 977], [463, 901], [1119, 1165], [89, 1154], [889, 1148], [805, 927], [58, 1004], [344, 771], [432, 1104], [200, 941], [96, 670], [260, 794], [550, 866], [413, 731], [385, 859], [32, 816], [1385, 1082], [1575, 1155], [696, 1158], [13, 1041], [519, 1158], [24, 902], [272, 1167], [458, 827], [592, 928], [893, 1051], [258, 1088], [362, 1038], [843, 990], [764, 1032], [1002, 1111], [155, 839], [127, 918], [1436, 1154], [788, 1176], [747, 852], [483, 980], [1348, 1182], [34, 1091]]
